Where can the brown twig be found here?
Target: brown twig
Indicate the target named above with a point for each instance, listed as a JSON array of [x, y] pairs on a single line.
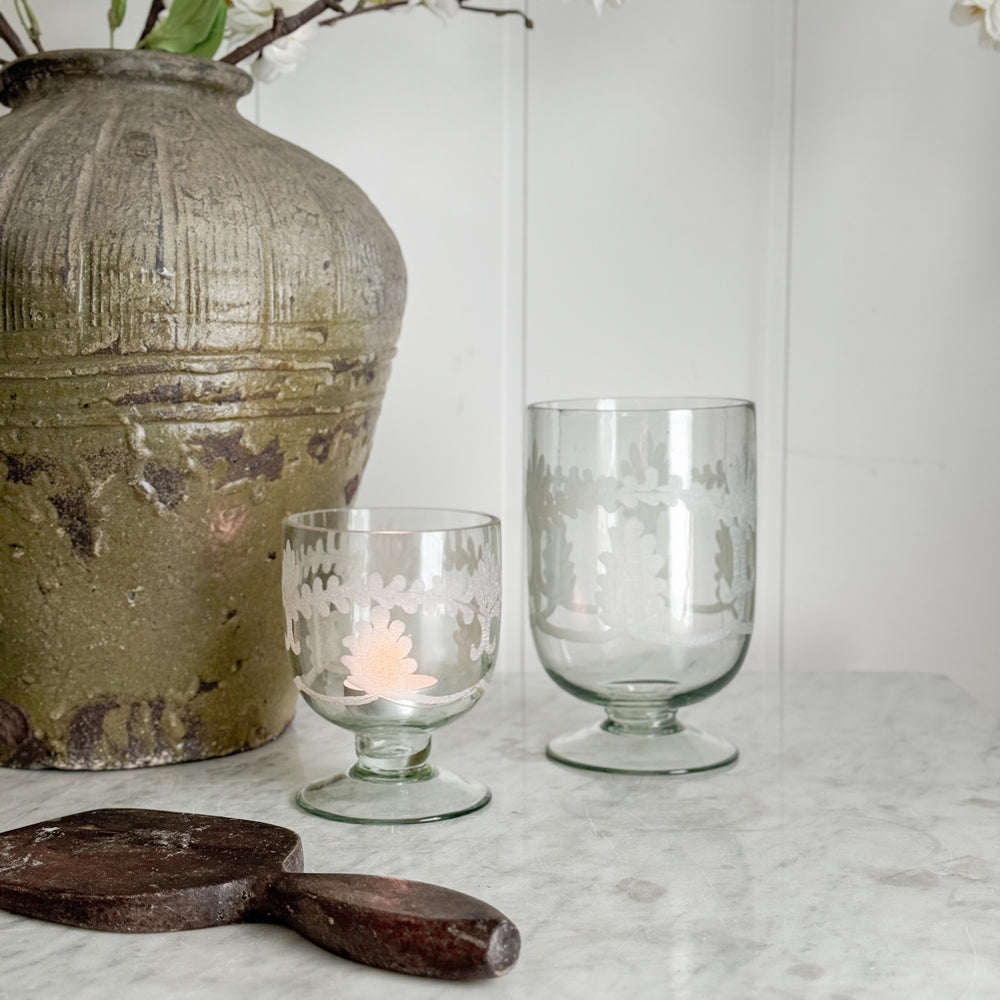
[[9, 35], [282, 25], [405, 3], [279, 29], [278, 21], [331, 21], [528, 23], [155, 9]]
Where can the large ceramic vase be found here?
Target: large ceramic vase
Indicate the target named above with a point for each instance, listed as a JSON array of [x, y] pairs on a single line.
[[196, 326]]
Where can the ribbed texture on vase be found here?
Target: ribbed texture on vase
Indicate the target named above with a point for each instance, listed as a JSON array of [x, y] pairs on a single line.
[[197, 321]]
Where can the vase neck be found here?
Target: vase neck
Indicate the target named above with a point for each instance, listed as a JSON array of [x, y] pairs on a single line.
[[45, 73]]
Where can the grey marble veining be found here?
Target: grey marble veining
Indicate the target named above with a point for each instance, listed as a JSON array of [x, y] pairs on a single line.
[[854, 851]]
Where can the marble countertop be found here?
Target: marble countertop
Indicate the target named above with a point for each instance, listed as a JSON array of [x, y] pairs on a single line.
[[853, 851]]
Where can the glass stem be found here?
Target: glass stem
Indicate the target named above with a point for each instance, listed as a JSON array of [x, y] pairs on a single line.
[[398, 756], [641, 719]]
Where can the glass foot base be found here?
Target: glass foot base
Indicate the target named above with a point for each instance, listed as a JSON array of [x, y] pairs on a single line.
[[684, 751], [351, 799]]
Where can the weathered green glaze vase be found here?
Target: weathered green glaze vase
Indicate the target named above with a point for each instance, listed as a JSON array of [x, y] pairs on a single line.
[[196, 326]]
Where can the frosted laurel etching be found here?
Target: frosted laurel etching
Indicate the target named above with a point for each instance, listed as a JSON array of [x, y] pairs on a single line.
[[377, 651], [633, 593]]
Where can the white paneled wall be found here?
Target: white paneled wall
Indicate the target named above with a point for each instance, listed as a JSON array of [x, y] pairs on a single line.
[[791, 201], [428, 117], [893, 429], [657, 217]]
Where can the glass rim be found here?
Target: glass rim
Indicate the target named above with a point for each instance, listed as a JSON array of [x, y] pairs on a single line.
[[461, 520], [637, 404]]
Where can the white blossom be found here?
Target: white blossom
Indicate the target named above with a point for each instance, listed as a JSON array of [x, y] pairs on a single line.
[[984, 12], [249, 18]]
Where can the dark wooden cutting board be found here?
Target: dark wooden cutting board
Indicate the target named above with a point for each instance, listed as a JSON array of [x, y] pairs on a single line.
[[143, 870]]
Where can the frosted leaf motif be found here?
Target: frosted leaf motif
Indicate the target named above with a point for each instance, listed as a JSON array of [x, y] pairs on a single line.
[[311, 589], [306, 599], [633, 588], [466, 596], [630, 492]]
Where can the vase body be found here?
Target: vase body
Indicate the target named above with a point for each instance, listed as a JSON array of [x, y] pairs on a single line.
[[196, 325]]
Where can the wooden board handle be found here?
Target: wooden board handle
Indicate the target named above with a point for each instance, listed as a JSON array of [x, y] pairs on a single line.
[[395, 924]]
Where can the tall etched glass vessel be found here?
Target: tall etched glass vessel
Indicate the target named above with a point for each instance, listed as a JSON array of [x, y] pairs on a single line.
[[642, 524], [392, 622]]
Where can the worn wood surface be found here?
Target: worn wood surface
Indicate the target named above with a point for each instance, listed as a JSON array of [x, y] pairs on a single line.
[[143, 870]]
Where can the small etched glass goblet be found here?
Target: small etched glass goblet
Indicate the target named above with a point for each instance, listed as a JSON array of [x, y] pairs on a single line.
[[392, 622], [641, 523]]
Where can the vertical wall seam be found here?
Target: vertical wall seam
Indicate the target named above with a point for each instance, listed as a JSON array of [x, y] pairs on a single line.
[[784, 153], [513, 326], [787, 329], [775, 388]]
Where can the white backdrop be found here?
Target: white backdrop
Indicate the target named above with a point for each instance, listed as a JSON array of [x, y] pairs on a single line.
[[790, 201]]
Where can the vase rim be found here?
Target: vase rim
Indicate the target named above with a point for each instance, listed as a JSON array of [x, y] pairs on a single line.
[[28, 75]]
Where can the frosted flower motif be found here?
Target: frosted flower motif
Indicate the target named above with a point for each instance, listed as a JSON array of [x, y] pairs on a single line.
[[379, 663], [249, 18], [984, 12], [631, 595]]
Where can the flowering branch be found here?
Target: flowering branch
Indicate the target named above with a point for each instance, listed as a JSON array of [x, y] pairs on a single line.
[[285, 26], [986, 13], [9, 35], [282, 25]]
